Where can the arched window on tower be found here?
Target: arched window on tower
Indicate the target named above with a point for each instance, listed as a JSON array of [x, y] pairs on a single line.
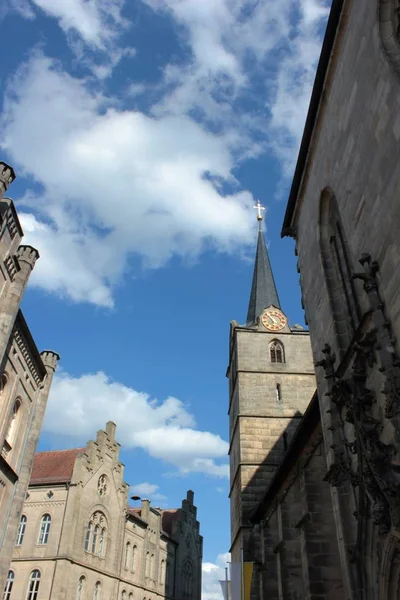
[[338, 271], [12, 430], [133, 559], [276, 352]]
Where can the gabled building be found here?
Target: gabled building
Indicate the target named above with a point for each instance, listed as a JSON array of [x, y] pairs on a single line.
[[79, 538]]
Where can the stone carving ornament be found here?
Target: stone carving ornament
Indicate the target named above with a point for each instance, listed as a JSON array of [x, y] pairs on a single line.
[[355, 403]]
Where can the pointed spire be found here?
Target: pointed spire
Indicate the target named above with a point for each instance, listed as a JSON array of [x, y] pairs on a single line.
[[263, 289]]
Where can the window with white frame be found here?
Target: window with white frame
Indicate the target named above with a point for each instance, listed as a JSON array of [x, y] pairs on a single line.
[[9, 585], [33, 585], [21, 530], [44, 532]]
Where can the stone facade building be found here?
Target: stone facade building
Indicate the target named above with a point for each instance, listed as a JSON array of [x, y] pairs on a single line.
[[78, 538], [271, 381], [329, 520], [25, 375]]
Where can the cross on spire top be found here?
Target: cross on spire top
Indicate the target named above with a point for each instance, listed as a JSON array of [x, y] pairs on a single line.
[[259, 208]]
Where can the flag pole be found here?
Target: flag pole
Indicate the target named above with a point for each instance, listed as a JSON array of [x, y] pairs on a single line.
[[242, 572]]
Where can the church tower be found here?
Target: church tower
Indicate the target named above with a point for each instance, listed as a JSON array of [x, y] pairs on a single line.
[[271, 382]]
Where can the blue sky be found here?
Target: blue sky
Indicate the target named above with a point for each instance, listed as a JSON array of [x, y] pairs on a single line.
[[142, 133]]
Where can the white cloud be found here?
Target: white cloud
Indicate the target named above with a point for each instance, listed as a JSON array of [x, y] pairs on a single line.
[[212, 574], [115, 183], [149, 490], [166, 430], [97, 22]]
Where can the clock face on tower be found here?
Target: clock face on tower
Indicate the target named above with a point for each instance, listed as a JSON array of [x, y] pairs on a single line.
[[273, 319]]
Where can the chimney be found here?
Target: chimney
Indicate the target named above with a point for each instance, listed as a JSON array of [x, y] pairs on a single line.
[[145, 510]]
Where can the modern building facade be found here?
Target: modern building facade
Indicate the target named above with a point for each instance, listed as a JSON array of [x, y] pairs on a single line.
[[79, 539], [25, 375]]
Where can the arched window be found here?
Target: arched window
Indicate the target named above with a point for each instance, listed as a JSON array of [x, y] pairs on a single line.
[[278, 393], [123, 595], [131, 596], [88, 536], [44, 529], [80, 595], [162, 572], [152, 567], [33, 586], [127, 555], [147, 569], [21, 530], [187, 579], [96, 535], [133, 559], [276, 351], [13, 424], [9, 585], [338, 271], [94, 538], [97, 591]]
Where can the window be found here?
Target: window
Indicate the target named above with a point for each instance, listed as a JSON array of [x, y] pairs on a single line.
[[88, 536], [81, 588], [97, 591], [33, 587], [9, 585], [147, 570], [96, 535], [133, 559], [278, 393], [152, 569], [338, 271], [94, 539], [12, 427], [123, 595], [162, 572], [44, 529], [188, 579], [131, 596], [21, 530], [127, 555], [276, 352]]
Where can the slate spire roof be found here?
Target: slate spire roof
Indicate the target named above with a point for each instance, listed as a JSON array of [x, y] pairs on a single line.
[[263, 289]]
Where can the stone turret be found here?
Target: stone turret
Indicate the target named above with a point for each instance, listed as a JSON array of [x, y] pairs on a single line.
[[7, 176]]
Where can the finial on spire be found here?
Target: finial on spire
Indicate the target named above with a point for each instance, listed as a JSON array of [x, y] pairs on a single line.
[[259, 208]]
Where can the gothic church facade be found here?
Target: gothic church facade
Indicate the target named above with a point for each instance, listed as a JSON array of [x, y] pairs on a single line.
[[327, 524]]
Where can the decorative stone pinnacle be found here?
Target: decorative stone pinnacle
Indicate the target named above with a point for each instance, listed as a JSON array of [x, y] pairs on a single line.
[[27, 254], [7, 176], [50, 358]]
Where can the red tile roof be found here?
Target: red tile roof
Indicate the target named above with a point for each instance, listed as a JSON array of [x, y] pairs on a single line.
[[54, 466]]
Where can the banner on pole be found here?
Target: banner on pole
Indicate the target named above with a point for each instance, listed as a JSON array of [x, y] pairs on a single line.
[[236, 581]]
